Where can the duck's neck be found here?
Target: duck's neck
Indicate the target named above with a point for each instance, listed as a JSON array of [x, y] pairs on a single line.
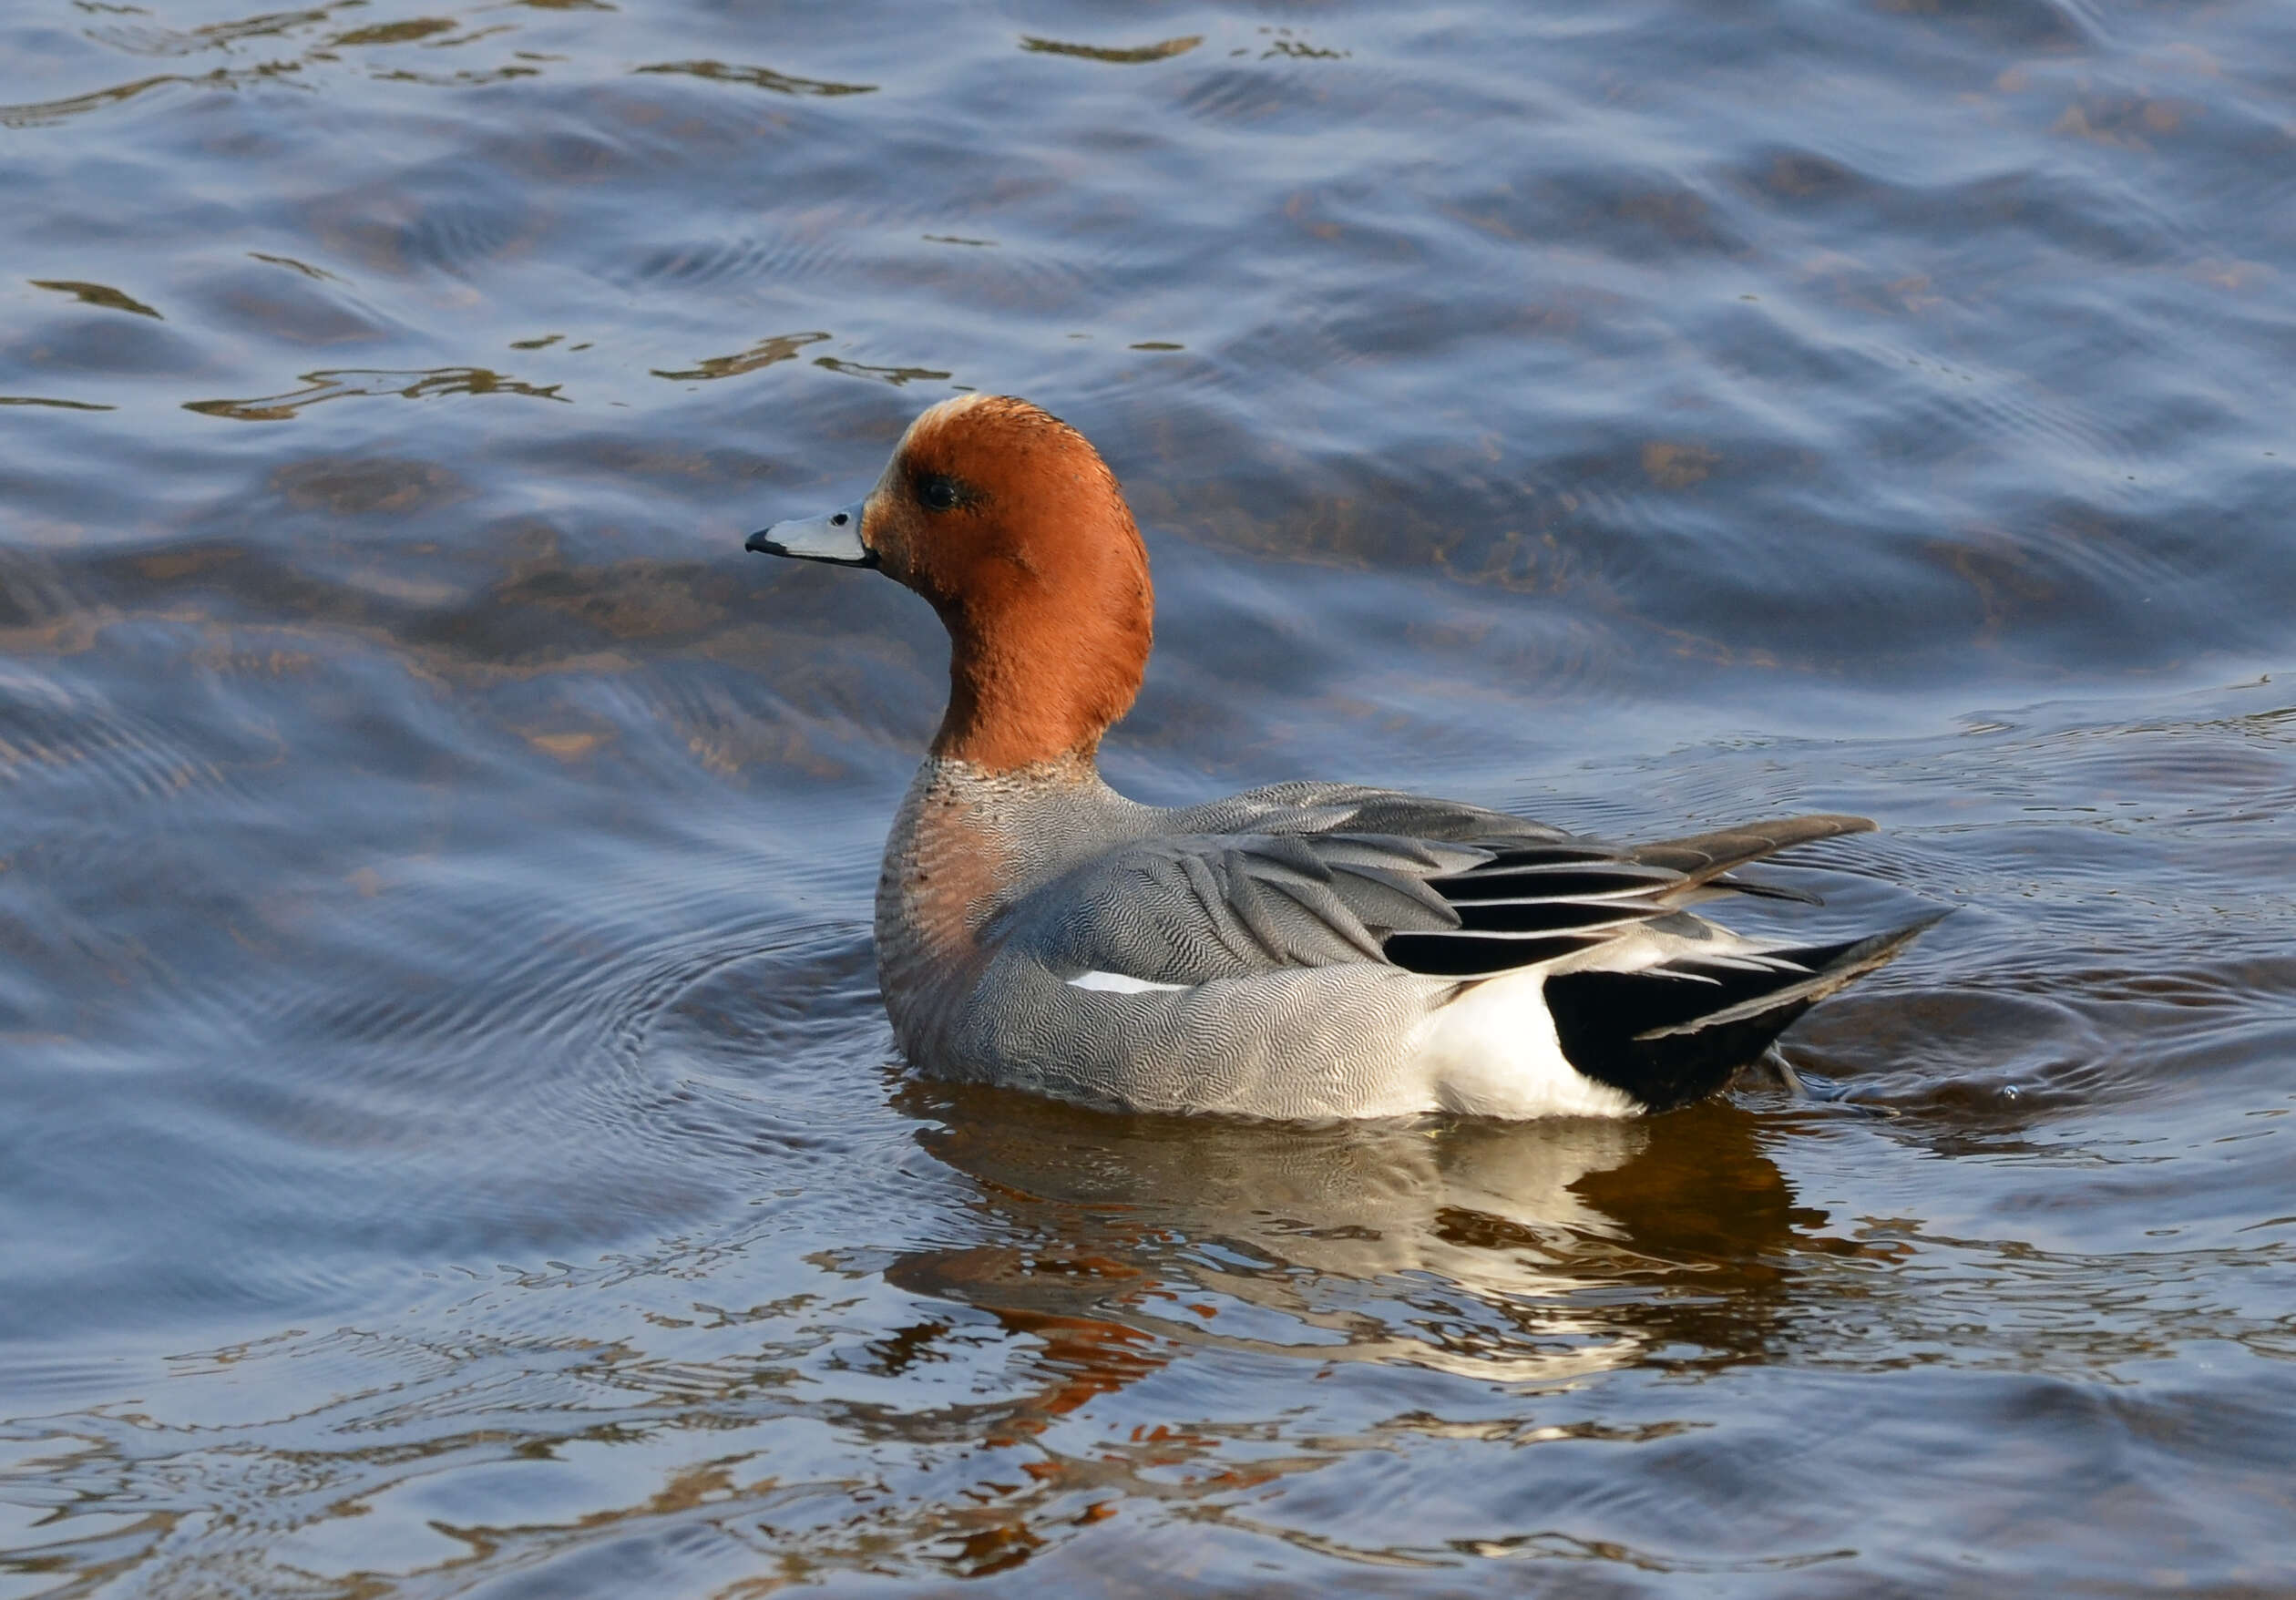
[[1035, 679]]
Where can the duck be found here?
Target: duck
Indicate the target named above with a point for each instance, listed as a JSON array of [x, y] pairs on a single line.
[[1304, 951]]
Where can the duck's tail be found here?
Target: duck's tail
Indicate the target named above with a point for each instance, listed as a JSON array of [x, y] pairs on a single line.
[[1673, 1033]]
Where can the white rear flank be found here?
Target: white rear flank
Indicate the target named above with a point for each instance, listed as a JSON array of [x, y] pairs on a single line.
[[1492, 1052]]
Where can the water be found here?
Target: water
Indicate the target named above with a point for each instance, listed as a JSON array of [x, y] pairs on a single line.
[[449, 1144]]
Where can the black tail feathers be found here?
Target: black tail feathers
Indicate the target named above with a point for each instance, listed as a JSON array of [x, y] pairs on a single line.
[[1673, 1034]]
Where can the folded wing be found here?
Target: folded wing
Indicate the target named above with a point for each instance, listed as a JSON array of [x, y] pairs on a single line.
[[1187, 908], [1537, 902], [1472, 894]]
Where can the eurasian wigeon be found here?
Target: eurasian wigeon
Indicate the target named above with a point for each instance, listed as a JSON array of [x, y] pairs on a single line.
[[1304, 951]]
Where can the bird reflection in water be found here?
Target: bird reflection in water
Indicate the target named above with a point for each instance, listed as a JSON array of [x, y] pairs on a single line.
[[1517, 1253]]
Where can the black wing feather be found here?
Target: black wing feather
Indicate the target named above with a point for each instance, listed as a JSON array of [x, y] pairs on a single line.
[[1534, 902]]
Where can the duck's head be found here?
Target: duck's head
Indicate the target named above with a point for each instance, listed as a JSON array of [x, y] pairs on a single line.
[[1005, 519]]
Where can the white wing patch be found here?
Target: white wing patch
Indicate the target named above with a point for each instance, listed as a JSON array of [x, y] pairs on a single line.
[[1117, 983]]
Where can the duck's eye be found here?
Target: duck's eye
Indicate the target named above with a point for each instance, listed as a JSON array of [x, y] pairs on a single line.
[[938, 493]]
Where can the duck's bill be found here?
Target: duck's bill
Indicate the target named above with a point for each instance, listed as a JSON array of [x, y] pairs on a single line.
[[834, 538]]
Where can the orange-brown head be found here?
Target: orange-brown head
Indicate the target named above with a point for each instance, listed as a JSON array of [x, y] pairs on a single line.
[[1006, 519]]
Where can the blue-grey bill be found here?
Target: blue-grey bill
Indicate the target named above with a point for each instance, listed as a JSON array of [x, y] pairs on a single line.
[[833, 537]]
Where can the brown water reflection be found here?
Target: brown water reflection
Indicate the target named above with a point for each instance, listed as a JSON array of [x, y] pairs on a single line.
[[1565, 1238], [320, 386]]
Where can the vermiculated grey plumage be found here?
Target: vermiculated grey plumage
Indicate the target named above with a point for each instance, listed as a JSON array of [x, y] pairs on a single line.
[[1279, 952]]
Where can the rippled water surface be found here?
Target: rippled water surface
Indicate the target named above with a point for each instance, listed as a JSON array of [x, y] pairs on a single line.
[[450, 1141]]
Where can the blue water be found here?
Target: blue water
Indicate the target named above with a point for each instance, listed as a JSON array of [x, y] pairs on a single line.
[[450, 1141]]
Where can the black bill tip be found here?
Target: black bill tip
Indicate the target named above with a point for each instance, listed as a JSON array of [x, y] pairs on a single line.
[[833, 537]]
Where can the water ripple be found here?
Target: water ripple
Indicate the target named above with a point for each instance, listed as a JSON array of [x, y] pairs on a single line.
[[450, 1141]]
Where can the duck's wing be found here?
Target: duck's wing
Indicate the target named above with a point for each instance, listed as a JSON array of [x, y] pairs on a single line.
[[1178, 910], [1184, 908], [1537, 902]]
